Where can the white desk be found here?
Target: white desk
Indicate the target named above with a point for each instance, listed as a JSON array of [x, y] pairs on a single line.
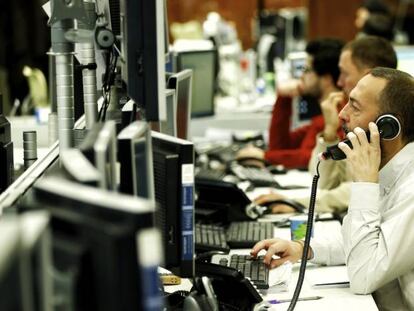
[[334, 298]]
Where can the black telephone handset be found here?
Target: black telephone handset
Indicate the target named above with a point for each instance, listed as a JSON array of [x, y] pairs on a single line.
[[389, 128], [230, 286]]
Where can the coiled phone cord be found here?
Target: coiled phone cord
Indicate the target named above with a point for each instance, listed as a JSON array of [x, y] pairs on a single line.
[[307, 240]]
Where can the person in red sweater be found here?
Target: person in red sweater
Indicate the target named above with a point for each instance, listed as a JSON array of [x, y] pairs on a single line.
[[293, 148]]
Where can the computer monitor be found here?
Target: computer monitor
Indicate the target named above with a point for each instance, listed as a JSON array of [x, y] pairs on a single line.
[[405, 57], [135, 158], [143, 48], [25, 262], [174, 195], [181, 82], [6, 151], [297, 61], [203, 64], [100, 147], [11, 293], [169, 126], [105, 248]]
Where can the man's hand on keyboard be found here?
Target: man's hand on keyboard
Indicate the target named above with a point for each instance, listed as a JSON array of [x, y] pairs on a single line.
[[265, 199], [278, 251]]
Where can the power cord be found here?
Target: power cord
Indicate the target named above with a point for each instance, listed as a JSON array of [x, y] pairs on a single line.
[[307, 240]]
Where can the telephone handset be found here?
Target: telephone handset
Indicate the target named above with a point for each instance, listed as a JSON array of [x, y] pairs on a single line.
[[389, 128], [230, 286]]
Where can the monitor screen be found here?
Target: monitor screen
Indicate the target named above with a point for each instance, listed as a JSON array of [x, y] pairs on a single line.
[[405, 57], [174, 181], [100, 147], [181, 83], [143, 48], [297, 62], [203, 64], [25, 262], [104, 246], [11, 296], [135, 158]]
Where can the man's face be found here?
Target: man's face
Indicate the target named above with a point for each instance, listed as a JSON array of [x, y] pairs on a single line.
[[350, 73], [363, 104], [310, 81]]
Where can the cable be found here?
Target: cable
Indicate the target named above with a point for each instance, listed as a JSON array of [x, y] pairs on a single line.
[[307, 240]]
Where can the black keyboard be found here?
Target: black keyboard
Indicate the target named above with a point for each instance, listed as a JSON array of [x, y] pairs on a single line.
[[243, 234], [258, 177], [252, 268], [210, 237], [208, 174], [246, 234]]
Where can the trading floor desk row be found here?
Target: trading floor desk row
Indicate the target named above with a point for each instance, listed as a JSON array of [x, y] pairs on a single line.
[[324, 288]]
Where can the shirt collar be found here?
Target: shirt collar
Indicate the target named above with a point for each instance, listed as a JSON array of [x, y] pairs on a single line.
[[389, 174]]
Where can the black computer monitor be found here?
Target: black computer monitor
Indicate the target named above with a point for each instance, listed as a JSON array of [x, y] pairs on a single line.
[[174, 194], [100, 147], [6, 151], [105, 248], [143, 48], [11, 293], [135, 158], [203, 64], [25, 262], [181, 82]]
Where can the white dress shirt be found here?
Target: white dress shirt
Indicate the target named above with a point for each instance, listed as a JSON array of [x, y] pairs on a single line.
[[378, 236]]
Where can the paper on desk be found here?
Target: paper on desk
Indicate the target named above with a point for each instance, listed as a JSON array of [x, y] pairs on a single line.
[[332, 276], [295, 177], [279, 278]]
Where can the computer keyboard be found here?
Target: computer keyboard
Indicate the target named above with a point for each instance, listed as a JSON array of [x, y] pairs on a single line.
[[209, 174], [258, 177], [244, 234], [210, 237], [252, 268]]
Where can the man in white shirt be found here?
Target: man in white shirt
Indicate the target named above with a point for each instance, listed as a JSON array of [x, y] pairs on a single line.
[[378, 232]]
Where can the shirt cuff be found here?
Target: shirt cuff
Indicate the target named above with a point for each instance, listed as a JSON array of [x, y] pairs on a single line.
[[320, 252]]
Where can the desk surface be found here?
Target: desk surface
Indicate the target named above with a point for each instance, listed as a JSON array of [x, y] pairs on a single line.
[[338, 297]]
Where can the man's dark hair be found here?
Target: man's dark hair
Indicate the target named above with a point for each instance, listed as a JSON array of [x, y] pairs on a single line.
[[380, 25], [397, 98], [371, 52], [376, 6], [325, 53]]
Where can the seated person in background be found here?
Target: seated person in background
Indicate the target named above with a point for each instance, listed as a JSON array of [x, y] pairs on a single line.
[[293, 148], [380, 25], [377, 233], [358, 57], [368, 8]]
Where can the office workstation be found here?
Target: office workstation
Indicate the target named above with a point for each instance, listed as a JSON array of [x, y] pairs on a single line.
[[178, 166]]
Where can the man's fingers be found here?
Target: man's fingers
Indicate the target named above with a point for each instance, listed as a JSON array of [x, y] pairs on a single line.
[[362, 136], [264, 244], [278, 262], [345, 148], [374, 135], [274, 248], [354, 140]]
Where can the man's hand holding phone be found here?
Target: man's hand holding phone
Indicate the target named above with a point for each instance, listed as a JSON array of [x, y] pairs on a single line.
[[365, 156]]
